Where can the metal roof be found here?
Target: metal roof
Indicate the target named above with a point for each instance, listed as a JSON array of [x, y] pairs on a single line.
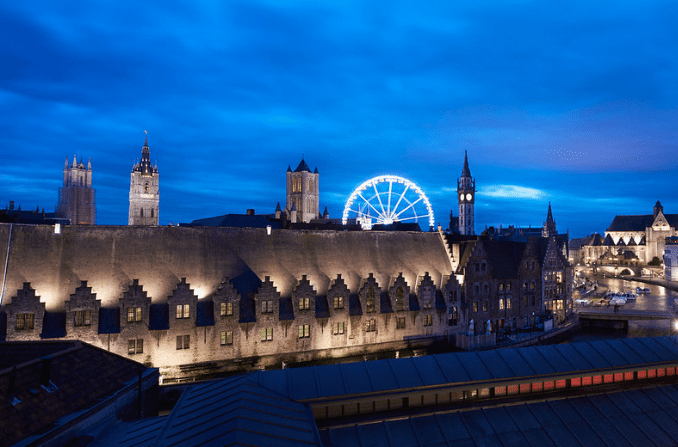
[[318, 382], [639, 417]]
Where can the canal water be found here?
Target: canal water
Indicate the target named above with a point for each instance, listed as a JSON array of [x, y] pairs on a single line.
[[659, 299]]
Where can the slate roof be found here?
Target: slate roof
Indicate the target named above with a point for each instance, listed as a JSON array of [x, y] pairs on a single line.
[[75, 370], [596, 240], [504, 257], [229, 412], [303, 167], [392, 374], [638, 417], [236, 221], [639, 223]]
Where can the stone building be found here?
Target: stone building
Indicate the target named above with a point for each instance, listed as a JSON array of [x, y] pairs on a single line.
[[144, 191], [303, 193], [76, 196], [640, 236]]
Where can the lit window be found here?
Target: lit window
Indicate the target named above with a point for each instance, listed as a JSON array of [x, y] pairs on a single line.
[[508, 302], [267, 307], [371, 325], [475, 306], [400, 323], [532, 285], [183, 311], [338, 302], [304, 303], [83, 318], [226, 309], [501, 287], [428, 320], [267, 334], [485, 306], [134, 314], [226, 338], [135, 346], [501, 304], [339, 328], [304, 331], [508, 287], [183, 341]]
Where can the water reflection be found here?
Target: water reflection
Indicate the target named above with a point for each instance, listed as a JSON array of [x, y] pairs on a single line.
[[659, 299]]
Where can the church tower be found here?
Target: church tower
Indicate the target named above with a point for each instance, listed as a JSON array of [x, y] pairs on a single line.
[[144, 194], [466, 190], [302, 193], [549, 228], [76, 197]]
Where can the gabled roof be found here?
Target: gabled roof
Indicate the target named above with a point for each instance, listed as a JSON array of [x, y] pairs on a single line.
[[608, 242], [596, 240], [639, 223]]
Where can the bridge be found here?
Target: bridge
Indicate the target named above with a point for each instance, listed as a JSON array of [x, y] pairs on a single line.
[[619, 319]]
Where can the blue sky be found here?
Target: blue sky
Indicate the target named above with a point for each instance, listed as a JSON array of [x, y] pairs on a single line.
[[574, 104]]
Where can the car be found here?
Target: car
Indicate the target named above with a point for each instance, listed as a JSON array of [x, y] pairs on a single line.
[[642, 290]]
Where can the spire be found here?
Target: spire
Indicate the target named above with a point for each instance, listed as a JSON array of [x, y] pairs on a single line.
[[549, 228], [549, 216], [302, 167], [466, 172], [145, 163]]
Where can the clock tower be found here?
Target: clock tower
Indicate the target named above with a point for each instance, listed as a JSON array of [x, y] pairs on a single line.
[[466, 193], [144, 194]]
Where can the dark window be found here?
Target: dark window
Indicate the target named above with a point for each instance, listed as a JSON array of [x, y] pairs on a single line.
[[339, 328], [369, 300], [428, 320], [267, 306], [135, 346], [371, 325], [183, 341], [400, 323], [83, 318]]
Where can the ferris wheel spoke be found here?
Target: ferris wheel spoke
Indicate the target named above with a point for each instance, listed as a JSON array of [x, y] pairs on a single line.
[[390, 190], [376, 193], [400, 199], [414, 217], [367, 202], [411, 205]]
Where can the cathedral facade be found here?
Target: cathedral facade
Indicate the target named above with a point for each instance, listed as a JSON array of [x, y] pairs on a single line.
[[144, 191], [76, 197]]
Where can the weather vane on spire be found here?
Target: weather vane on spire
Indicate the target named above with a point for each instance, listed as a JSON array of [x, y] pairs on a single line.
[[146, 132]]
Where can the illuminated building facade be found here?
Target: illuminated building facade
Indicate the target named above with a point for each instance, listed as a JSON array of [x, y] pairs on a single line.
[[76, 197], [144, 191], [303, 193]]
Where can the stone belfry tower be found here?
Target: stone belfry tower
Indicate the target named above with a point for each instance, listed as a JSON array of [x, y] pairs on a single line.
[[302, 193], [144, 193], [76, 197], [466, 190]]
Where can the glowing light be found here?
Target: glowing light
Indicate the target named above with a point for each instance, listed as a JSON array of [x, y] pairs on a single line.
[[386, 204]]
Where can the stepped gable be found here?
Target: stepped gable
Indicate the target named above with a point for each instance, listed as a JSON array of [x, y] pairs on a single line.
[[108, 258]]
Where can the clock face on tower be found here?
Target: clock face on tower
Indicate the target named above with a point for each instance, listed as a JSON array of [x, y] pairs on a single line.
[[469, 196], [461, 196]]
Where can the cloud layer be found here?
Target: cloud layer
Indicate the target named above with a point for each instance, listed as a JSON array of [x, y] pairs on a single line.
[[573, 104]]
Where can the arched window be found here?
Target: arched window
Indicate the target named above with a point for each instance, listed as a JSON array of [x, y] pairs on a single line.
[[152, 212], [501, 304]]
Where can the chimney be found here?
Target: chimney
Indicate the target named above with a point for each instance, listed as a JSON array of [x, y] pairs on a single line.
[[250, 212], [45, 371]]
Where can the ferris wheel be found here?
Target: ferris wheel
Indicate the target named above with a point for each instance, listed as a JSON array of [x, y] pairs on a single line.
[[386, 199]]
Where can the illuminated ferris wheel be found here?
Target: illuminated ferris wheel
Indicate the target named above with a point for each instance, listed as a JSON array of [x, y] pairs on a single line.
[[386, 199]]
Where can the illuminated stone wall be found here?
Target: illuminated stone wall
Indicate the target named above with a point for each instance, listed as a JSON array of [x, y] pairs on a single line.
[[140, 267]]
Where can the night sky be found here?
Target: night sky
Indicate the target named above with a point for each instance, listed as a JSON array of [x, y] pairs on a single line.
[[574, 105]]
